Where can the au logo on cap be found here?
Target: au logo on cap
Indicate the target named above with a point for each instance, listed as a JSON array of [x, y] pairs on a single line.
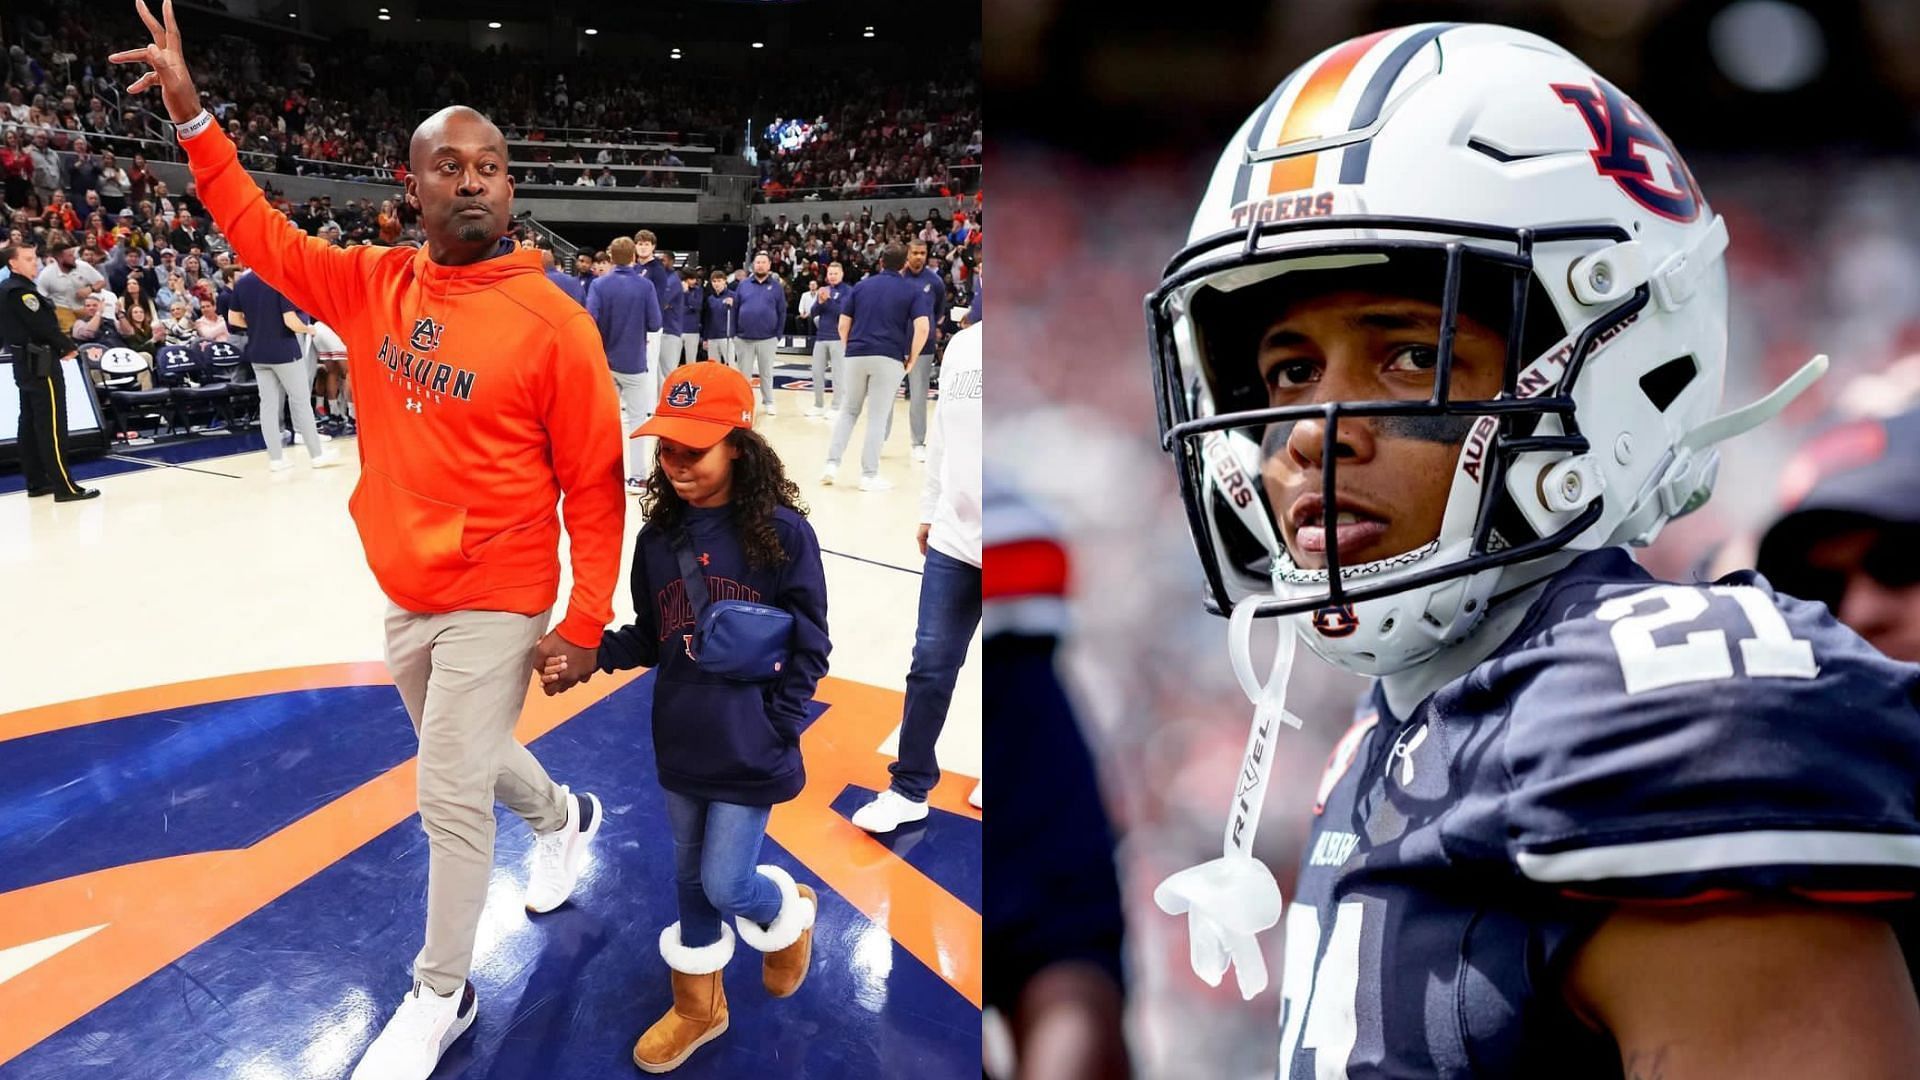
[[683, 395]]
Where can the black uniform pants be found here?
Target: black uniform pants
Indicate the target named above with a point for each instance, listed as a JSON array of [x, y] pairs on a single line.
[[43, 433]]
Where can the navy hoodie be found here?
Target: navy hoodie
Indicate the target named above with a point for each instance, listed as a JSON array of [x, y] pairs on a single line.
[[714, 738], [625, 307], [717, 313], [826, 313], [657, 273], [673, 306], [763, 308]]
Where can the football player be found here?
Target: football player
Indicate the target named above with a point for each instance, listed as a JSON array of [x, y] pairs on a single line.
[[1449, 337]]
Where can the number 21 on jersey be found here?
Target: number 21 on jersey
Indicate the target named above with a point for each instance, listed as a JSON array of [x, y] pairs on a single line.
[[1772, 651]]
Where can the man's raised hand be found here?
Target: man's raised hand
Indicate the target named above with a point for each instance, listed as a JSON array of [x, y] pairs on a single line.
[[168, 66]]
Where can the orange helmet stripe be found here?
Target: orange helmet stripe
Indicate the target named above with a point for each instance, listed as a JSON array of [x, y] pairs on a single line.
[[1308, 117]]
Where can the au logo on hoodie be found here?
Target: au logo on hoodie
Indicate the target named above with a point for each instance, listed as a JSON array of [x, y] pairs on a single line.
[[427, 374]]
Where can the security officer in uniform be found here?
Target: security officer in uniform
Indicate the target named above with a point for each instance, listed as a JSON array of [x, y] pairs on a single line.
[[32, 334]]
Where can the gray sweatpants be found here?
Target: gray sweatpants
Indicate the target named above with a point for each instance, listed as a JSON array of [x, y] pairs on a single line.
[[919, 386], [758, 353], [874, 381], [690, 347], [463, 676], [720, 350], [829, 355], [669, 357], [637, 399], [291, 383]]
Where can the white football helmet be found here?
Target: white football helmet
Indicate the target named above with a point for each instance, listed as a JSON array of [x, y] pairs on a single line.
[[1504, 175]]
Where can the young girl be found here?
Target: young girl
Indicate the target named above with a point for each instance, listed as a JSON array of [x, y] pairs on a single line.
[[727, 751]]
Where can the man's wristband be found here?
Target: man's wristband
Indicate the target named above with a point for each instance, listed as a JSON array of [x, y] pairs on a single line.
[[195, 126]]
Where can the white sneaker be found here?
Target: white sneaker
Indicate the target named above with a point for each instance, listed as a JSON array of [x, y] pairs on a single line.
[[875, 483], [888, 811], [279, 466], [559, 856], [919, 453], [327, 460], [973, 800], [771, 409], [814, 412], [302, 439], [827, 474], [420, 1031]]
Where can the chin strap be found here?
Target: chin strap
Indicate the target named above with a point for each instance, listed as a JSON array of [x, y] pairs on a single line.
[[1747, 417], [1229, 900], [1687, 480]]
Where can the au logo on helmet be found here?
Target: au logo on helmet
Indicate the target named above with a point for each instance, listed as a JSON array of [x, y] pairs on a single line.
[[683, 395], [1335, 620], [1619, 128]]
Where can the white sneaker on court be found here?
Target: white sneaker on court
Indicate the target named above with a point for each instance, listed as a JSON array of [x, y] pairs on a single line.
[[827, 474], [559, 856], [888, 811], [771, 409], [279, 466], [419, 1032], [875, 483], [919, 453], [327, 460], [814, 412]]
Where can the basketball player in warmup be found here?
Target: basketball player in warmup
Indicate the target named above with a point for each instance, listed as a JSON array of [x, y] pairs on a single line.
[[1440, 349], [483, 399], [658, 267]]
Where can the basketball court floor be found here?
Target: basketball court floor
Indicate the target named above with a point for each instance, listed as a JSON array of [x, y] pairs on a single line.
[[210, 861]]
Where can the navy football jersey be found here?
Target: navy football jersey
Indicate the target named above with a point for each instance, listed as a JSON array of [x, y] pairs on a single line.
[[1631, 740]]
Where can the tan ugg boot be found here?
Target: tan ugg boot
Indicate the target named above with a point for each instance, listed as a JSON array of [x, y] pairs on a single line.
[[787, 941], [782, 972], [699, 1012]]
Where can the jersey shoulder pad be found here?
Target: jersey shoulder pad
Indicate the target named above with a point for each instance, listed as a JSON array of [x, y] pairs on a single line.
[[1673, 739]]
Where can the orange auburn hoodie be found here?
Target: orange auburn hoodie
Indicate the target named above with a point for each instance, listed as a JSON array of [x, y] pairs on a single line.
[[482, 398]]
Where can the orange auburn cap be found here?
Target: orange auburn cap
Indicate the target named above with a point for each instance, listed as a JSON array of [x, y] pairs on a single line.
[[700, 404]]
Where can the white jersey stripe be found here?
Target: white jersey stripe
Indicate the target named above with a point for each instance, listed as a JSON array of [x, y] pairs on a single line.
[[1720, 851]]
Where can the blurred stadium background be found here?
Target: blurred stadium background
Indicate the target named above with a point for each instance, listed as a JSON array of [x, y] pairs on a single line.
[[1800, 123]]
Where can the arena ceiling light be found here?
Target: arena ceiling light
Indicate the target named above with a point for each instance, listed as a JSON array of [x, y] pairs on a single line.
[[759, 44], [493, 26], [591, 31], [384, 17], [867, 34]]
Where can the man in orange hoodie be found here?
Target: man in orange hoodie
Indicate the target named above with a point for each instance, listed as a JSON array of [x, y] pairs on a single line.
[[483, 400]]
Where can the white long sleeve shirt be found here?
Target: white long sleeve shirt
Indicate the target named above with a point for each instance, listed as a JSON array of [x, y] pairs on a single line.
[[950, 500]]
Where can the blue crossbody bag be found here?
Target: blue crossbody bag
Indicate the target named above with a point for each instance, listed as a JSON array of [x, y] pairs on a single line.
[[735, 639]]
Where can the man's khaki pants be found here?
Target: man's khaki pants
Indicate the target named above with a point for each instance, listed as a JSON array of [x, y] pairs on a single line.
[[464, 676]]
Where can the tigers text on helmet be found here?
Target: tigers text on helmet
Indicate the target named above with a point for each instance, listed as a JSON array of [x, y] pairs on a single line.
[[1494, 174]]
